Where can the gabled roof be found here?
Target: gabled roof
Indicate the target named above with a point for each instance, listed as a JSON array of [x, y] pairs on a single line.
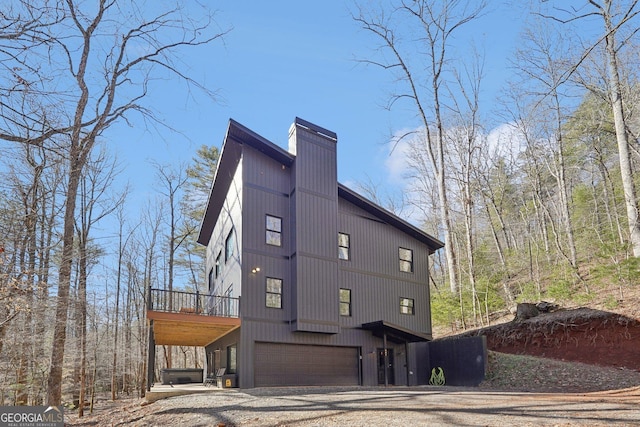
[[231, 152]]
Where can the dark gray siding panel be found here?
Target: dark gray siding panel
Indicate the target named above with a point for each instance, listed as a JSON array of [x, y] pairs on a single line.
[[316, 163], [375, 245], [373, 273], [218, 349], [378, 298], [266, 188], [317, 218], [265, 172], [254, 291], [279, 364], [260, 331], [257, 205], [315, 208]]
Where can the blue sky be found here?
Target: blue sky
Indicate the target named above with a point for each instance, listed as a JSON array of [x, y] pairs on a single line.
[[284, 59]]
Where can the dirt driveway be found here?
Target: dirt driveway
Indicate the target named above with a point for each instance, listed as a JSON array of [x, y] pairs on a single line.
[[446, 406]]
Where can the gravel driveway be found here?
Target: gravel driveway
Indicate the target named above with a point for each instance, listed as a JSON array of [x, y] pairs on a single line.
[[419, 406]]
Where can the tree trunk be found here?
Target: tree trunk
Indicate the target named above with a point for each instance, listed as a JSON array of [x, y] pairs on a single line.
[[622, 138], [54, 383]]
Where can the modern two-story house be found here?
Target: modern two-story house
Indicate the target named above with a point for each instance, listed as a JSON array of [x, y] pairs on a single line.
[[325, 287]]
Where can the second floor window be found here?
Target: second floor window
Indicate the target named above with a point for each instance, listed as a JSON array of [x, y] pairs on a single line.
[[345, 302], [228, 246], [211, 280], [274, 230], [406, 306], [343, 246], [406, 260], [274, 292]]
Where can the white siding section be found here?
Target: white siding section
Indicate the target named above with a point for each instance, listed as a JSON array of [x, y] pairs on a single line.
[[229, 282]]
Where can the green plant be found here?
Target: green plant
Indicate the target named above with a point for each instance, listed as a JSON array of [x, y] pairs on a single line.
[[611, 302], [560, 290]]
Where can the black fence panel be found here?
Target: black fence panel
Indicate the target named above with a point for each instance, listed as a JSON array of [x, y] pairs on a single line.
[[458, 361]]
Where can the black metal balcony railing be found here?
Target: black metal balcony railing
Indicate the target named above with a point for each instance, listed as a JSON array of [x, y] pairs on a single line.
[[193, 302]]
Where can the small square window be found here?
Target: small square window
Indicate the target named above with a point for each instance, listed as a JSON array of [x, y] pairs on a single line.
[[345, 302], [343, 246], [274, 293], [228, 246], [406, 260], [274, 231], [406, 306]]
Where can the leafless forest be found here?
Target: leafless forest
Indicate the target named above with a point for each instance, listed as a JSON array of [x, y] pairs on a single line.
[[544, 206]]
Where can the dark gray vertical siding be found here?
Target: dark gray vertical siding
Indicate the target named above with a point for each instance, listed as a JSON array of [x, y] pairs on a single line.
[[305, 197], [315, 208], [254, 289], [265, 172], [374, 275], [266, 186], [221, 346], [279, 332]]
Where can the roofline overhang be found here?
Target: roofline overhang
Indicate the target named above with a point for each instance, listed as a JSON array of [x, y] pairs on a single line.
[[235, 138], [391, 219], [238, 135], [395, 333]]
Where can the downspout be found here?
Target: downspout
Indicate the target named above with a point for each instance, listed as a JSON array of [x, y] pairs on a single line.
[[151, 357], [406, 361], [386, 359]]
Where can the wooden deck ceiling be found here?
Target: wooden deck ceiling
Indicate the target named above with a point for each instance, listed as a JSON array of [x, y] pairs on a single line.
[[189, 329]]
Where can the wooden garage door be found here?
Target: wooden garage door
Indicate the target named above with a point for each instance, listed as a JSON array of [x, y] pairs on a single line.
[[291, 364]]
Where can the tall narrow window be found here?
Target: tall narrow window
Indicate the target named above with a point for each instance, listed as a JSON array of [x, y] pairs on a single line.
[[228, 246], [274, 230], [343, 246], [345, 302], [210, 280], [274, 293], [218, 264], [406, 260], [406, 306]]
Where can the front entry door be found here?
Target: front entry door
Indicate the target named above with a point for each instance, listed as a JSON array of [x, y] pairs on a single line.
[[381, 366]]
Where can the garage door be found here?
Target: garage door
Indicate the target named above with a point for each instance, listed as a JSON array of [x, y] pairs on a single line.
[[291, 364]]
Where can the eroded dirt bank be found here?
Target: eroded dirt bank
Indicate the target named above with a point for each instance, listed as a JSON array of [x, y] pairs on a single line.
[[582, 335]]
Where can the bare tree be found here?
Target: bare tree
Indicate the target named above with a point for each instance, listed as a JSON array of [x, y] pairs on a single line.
[[172, 183], [464, 146], [422, 72], [542, 62], [93, 52], [619, 23], [95, 203]]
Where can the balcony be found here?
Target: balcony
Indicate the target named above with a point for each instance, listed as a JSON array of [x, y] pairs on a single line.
[[190, 318]]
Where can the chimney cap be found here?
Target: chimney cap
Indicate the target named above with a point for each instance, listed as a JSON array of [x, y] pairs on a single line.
[[315, 128]]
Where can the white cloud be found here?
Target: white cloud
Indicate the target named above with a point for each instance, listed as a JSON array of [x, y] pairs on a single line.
[[398, 149], [505, 140]]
